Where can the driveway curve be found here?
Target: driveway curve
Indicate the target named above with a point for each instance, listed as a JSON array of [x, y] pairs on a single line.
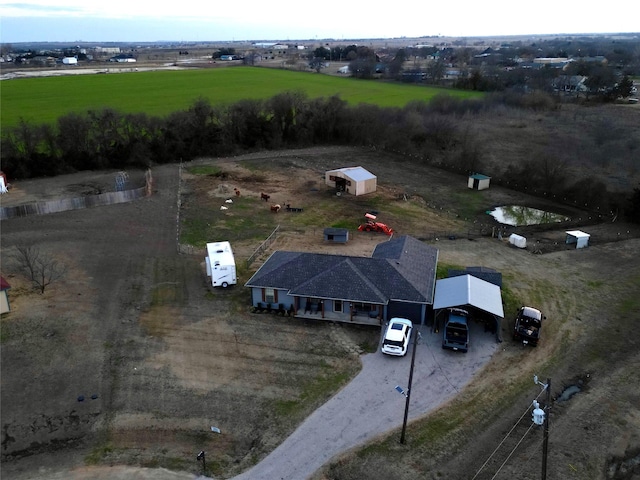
[[370, 405]]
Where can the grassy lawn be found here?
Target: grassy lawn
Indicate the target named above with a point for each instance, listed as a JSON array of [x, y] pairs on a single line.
[[43, 100]]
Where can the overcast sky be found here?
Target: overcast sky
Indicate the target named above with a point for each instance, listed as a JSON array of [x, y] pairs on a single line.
[[281, 20]]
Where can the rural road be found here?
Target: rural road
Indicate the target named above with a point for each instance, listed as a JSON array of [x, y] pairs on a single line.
[[370, 405]]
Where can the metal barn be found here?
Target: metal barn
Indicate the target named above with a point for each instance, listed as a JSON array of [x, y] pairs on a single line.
[[352, 180]]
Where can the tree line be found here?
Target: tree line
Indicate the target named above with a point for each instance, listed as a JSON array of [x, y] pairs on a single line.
[[423, 132]]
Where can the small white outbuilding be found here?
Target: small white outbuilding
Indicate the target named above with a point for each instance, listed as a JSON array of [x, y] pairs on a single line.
[[70, 61], [581, 239], [477, 181], [353, 180]]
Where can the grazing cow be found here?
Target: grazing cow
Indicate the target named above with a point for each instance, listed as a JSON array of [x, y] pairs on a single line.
[[265, 197], [237, 191], [275, 208]]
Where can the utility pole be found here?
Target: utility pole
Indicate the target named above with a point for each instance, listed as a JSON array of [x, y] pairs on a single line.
[[204, 464], [545, 442], [406, 407]]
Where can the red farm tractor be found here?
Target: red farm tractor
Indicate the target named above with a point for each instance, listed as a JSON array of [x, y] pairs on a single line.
[[372, 226]]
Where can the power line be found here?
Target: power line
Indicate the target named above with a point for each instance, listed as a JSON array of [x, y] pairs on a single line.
[[514, 449], [504, 439]]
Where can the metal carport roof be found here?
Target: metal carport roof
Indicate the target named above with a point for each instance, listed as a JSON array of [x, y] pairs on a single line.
[[468, 290]]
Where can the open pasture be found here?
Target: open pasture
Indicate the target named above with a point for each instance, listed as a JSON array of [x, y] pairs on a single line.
[[158, 93]]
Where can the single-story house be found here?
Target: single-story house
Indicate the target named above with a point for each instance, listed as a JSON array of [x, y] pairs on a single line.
[[477, 181], [353, 180], [481, 297], [5, 307], [398, 280]]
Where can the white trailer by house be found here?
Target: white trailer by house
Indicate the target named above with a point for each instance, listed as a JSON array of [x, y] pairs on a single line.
[[221, 264]]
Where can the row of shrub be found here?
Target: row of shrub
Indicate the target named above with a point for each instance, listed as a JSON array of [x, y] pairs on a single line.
[[423, 132]]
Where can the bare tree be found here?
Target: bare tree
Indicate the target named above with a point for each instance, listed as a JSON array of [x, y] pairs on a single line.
[[40, 268]]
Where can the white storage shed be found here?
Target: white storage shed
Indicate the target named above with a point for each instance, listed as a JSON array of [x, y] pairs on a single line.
[[581, 239], [477, 181], [353, 180]]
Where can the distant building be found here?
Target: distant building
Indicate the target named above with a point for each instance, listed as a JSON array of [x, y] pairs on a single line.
[[477, 181], [123, 58], [4, 297], [353, 180]]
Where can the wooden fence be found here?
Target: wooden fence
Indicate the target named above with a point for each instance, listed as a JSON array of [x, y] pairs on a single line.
[[65, 204], [263, 246]]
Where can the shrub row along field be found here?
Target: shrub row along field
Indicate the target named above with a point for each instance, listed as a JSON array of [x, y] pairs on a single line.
[[158, 93]]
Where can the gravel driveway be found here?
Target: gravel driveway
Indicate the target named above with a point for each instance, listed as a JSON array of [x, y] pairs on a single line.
[[370, 405]]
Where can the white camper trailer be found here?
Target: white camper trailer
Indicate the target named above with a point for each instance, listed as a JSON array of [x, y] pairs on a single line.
[[221, 266]]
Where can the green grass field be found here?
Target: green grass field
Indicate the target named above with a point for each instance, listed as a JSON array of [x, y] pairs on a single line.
[[158, 93]]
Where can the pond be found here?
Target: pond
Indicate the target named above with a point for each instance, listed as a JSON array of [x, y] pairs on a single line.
[[518, 215]]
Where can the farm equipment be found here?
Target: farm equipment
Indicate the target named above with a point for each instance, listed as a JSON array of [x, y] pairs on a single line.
[[528, 325], [376, 227], [372, 226]]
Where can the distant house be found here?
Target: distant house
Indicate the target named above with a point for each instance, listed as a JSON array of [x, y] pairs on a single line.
[[398, 280], [69, 61], [353, 180], [570, 83], [122, 58], [4, 297]]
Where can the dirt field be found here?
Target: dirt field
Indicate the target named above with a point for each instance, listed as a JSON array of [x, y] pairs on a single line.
[[134, 324]]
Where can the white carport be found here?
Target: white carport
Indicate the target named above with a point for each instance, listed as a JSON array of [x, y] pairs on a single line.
[[468, 291]]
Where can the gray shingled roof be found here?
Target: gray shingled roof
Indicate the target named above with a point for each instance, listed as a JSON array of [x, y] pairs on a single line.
[[402, 268], [483, 273]]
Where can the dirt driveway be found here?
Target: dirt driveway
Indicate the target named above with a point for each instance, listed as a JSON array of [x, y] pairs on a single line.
[[134, 323]]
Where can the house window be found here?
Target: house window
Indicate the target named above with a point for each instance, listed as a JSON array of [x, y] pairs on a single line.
[[337, 306], [269, 295]]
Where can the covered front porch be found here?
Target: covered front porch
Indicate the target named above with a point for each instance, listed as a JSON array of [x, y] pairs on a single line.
[[358, 319], [338, 310]]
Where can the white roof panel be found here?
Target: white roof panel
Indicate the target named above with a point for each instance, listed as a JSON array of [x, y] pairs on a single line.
[[468, 290], [355, 173], [578, 234]]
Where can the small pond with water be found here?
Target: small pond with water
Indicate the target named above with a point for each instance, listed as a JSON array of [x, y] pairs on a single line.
[[518, 215]]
